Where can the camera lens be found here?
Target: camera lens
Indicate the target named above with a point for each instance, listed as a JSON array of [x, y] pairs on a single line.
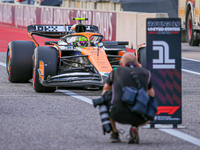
[[106, 125]]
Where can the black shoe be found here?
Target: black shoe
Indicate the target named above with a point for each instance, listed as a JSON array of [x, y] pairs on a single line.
[[114, 138], [134, 136]]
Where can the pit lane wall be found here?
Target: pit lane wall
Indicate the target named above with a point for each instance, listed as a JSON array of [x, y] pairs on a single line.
[[120, 26]]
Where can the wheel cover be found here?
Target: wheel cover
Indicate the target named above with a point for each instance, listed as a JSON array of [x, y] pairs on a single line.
[[190, 28]]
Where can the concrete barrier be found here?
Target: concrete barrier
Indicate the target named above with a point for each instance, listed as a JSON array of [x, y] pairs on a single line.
[[126, 25], [131, 26]]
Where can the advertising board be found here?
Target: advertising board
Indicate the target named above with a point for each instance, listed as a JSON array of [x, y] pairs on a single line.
[[164, 61]]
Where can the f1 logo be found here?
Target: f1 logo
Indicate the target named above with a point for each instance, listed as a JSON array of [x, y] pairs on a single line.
[[163, 61], [170, 110]]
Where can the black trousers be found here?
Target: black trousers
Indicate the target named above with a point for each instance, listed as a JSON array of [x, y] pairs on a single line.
[[120, 113], [123, 115]]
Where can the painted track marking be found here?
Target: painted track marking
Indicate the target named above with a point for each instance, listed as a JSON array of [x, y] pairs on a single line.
[[193, 72], [190, 59], [72, 94], [3, 64]]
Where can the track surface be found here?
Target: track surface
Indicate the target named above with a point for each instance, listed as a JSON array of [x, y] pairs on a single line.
[[30, 120]]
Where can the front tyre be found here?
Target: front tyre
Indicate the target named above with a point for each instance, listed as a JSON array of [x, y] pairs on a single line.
[[49, 56], [19, 61]]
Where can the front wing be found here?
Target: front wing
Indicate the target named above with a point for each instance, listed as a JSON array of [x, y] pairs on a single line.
[[80, 79]]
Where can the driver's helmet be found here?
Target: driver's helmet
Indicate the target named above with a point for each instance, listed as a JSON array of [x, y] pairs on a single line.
[[82, 41]]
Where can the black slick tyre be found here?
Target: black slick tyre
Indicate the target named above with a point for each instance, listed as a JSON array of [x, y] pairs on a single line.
[[49, 57], [190, 36], [142, 56], [19, 61]]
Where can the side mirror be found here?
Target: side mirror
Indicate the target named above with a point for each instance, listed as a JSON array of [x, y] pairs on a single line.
[[100, 44]]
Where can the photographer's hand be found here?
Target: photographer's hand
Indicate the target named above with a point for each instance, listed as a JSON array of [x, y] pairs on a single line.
[[151, 92], [106, 87]]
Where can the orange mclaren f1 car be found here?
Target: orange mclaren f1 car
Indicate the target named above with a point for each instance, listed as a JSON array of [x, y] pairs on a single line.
[[80, 58]]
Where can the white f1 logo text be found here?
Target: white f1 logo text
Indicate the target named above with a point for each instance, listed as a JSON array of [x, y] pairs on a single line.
[[163, 61]]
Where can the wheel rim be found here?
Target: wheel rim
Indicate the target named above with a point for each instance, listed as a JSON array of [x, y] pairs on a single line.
[[190, 28]]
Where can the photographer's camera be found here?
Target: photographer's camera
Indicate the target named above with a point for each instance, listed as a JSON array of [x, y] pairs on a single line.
[[106, 125]]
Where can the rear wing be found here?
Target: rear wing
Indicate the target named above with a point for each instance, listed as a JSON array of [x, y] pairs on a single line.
[[55, 31]]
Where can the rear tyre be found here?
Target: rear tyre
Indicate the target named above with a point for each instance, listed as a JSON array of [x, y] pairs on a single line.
[[49, 56], [143, 56], [19, 61], [190, 37]]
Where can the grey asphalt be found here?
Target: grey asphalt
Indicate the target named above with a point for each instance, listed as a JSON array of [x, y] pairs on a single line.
[[38, 121]]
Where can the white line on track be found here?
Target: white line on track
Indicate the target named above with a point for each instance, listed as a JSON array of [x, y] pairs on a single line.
[[182, 136], [3, 64], [173, 132], [85, 99], [193, 72], [190, 59]]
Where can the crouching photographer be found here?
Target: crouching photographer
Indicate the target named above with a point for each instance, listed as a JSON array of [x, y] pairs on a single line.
[[127, 98]]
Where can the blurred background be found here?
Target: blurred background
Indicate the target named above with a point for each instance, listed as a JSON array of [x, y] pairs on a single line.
[[152, 6]]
